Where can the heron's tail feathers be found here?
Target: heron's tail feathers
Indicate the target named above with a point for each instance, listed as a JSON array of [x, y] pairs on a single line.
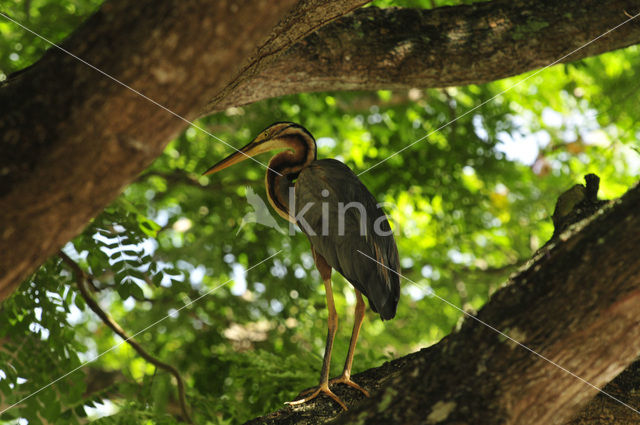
[[383, 299]]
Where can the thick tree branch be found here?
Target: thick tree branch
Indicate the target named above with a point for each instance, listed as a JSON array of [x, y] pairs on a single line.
[[448, 46], [575, 304], [82, 277], [71, 138]]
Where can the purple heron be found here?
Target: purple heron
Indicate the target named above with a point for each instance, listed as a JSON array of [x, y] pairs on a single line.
[[340, 217]]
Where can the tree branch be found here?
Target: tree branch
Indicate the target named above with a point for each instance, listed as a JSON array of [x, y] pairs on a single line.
[[575, 304], [65, 127], [393, 48], [81, 278]]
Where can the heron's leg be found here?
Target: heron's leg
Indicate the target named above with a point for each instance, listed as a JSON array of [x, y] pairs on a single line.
[[333, 327], [325, 272], [345, 378]]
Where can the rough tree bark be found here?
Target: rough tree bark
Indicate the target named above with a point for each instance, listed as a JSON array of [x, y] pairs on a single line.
[[576, 303], [448, 46], [71, 138]]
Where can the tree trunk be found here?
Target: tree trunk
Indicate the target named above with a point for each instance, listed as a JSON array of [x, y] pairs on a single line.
[[71, 138], [575, 304]]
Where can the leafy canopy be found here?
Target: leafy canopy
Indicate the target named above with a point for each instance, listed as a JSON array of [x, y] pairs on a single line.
[[470, 203]]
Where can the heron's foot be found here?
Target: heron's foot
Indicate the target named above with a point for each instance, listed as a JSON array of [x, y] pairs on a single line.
[[315, 392], [346, 379]]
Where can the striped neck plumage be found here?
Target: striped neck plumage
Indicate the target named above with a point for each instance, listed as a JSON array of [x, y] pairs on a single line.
[[285, 167]]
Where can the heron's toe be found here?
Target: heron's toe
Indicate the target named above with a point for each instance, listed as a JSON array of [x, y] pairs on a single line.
[[347, 381], [323, 388]]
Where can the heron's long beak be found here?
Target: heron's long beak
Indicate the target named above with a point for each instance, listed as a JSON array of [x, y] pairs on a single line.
[[254, 148]]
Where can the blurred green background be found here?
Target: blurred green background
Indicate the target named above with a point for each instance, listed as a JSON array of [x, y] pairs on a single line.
[[470, 203]]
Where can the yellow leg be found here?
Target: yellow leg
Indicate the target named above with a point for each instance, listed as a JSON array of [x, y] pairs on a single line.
[[345, 378], [325, 272]]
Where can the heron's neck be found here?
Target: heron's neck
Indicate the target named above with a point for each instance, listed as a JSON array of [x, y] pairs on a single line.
[[284, 169]]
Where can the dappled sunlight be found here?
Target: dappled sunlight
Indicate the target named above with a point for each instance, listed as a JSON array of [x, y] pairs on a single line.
[[467, 205]]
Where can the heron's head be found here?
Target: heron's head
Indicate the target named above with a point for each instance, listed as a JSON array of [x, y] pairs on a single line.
[[281, 135]]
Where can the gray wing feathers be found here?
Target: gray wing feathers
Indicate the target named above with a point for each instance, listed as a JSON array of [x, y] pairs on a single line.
[[339, 244]]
